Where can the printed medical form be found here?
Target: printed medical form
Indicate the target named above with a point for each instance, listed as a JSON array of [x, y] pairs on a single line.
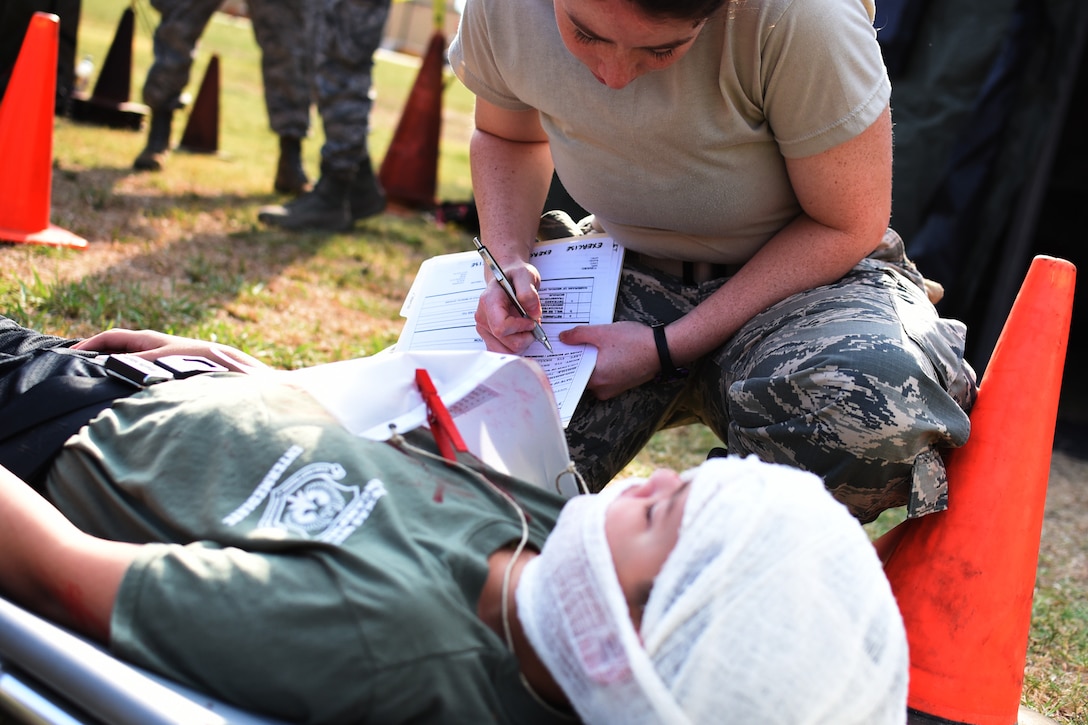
[[579, 279]]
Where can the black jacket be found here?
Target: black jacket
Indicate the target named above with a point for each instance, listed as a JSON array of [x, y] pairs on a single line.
[[47, 392]]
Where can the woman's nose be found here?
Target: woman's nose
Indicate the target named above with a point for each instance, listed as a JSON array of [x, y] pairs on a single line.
[[616, 72]]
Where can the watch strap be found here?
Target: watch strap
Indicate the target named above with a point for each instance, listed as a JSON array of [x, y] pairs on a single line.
[[669, 371]]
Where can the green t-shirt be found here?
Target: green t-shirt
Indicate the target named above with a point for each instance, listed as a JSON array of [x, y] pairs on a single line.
[[303, 572]]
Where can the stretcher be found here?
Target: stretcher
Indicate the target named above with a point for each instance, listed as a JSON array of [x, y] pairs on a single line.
[[50, 675]]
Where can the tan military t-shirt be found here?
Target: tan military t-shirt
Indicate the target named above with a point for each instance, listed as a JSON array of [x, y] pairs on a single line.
[[687, 162]]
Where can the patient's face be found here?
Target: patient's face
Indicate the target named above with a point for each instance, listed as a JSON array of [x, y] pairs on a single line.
[[642, 526]]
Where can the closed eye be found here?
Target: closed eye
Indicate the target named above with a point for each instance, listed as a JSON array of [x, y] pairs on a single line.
[[583, 37]]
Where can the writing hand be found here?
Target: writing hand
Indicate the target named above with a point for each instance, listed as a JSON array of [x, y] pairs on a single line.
[[498, 322]]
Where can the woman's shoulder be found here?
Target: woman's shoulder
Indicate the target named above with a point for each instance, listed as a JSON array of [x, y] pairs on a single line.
[[771, 12]]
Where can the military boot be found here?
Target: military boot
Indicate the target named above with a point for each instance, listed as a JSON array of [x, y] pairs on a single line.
[[367, 196], [154, 154], [326, 207], [290, 176]]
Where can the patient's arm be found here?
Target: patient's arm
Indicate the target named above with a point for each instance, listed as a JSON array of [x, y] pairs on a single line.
[[52, 568], [151, 345]]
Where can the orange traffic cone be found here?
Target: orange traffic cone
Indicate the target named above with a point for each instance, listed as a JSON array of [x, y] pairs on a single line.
[[409, 171], [109, 104], [26, 140], [964, 577], [201, 134]]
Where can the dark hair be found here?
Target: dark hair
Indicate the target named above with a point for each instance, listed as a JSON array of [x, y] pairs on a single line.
[[694, 10]]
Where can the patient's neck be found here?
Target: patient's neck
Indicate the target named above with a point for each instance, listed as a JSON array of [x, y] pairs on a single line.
[[489, 610]]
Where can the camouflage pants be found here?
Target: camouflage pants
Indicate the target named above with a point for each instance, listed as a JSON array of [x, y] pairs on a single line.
[[859, 381], [346, 34], [280, 29]]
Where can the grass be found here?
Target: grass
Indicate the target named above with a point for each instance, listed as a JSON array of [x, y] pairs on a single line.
[[182, 251]]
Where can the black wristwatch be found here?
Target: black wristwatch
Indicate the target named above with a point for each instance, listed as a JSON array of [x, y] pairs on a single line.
[[669, 371]]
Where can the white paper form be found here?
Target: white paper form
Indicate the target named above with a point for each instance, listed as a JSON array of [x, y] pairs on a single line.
[[501, 404], [579, 279]]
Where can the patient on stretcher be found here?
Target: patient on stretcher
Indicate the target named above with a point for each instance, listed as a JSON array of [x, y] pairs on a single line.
[[228, 532]]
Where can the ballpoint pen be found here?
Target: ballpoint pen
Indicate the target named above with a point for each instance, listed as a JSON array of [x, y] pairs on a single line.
[[500, 277]]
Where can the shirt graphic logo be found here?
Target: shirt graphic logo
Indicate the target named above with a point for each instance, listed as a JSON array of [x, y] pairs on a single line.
[[312, 503]]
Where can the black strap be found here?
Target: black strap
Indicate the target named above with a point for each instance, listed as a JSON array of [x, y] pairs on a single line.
[[669, 371], [688, 277]]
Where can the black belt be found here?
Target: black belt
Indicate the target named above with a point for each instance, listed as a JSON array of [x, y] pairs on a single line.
[[690, 273]]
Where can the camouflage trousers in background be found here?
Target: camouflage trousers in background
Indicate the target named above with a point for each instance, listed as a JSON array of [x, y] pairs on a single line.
[[280, 29], [859, 381], [346, 34]]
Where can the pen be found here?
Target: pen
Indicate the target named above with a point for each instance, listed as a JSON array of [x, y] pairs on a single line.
[[500, 277]]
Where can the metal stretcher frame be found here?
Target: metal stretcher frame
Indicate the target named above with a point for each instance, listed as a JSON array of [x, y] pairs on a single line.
[[50, 675]]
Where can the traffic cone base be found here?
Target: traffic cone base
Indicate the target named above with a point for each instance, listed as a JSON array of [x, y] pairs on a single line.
[[88, 109], [52, 236], [1024, 716], [964, 577], [26, 140]]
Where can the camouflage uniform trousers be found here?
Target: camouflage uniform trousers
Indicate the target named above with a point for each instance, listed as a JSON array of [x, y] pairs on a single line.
[[280, 29], [859, 381], [346, 34]]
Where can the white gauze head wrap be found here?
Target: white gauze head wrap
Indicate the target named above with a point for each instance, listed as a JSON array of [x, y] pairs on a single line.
[[772, 608]]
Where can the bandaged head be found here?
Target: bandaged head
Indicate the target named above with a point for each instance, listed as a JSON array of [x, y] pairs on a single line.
[[771, 608]]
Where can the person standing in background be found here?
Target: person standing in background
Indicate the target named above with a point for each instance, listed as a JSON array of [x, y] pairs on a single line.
[[280, 30], [345, 35], [15, 17]]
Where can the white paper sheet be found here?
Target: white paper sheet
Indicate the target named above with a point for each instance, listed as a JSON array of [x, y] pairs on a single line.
[[579, 279], [501, 405]]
